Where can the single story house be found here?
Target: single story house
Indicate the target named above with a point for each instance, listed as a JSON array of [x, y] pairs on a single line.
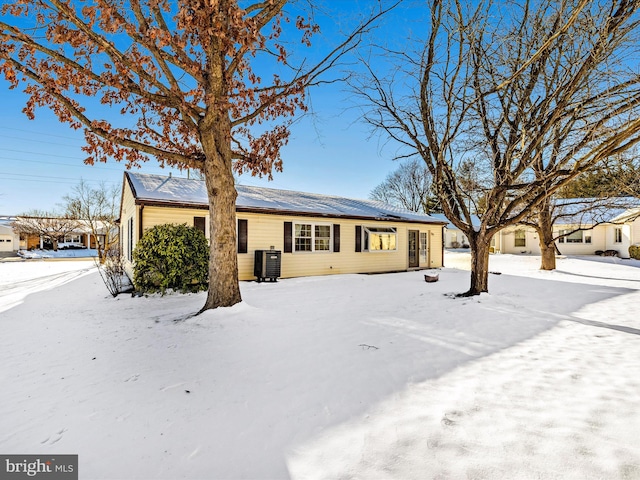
[[317, 234], [582, 227], [9, 240], [80, 236]]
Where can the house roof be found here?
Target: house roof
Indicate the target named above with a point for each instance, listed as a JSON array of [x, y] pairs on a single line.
[[450, 226], [163, 190], [591, 211], [583, 211], [5, 229]]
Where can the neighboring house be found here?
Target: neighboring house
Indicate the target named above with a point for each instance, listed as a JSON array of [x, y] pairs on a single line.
[[80, 237], [583, 227], [9, 240], [453, 236], [317, 234]]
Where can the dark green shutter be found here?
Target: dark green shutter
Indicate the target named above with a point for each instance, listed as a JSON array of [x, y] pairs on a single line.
[[358, 238]]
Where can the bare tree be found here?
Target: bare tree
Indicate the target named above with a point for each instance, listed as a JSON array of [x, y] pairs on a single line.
[[98, 209], [46, 225], [409, 186], [583, 214], [596, 192], [192, 82], [535, 92]]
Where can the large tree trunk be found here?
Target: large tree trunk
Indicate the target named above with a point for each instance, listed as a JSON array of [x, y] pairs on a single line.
[[224, 289], [545, 238], [479, 243]]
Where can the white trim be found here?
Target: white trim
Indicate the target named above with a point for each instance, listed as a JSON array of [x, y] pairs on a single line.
[[313, 225], [366, 238]]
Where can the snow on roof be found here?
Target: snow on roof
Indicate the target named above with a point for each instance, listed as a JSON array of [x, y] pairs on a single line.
[[591, 211], [582, 211], [185, 191], [450, 226]]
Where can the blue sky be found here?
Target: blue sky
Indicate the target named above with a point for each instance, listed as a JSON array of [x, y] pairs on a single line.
[[330, 152]]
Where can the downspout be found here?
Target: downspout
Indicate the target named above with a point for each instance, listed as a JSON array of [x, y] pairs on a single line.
[[443, 242], [140, 229]]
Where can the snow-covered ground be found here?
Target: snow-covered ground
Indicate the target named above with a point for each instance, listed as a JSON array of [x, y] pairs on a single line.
[[62, 253], [349, 376]]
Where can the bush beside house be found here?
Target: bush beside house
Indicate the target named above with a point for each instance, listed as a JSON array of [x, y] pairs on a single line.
[[171, 257], [634, 251]]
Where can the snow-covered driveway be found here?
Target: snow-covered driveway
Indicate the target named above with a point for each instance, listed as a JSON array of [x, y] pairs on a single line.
[[19, 279]]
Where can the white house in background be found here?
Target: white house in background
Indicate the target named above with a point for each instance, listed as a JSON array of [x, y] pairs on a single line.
[[453, 237], [9, 240], [583, 227]]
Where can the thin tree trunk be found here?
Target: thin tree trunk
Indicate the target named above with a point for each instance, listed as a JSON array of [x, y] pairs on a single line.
[[479, 243], [224, 290], [545, 238]]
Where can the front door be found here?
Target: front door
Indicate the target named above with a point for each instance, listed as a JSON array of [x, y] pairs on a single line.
[[413, 249]]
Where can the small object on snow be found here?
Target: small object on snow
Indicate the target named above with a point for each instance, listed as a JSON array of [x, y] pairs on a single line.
[[431, 278], [93, 358], [368, 347], [188, 391], [496, 273]]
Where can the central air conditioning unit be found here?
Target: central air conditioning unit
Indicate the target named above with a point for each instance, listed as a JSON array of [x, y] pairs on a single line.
[[267, 265]]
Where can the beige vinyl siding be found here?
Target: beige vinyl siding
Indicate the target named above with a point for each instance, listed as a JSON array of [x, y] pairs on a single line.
[[127, 212], [635, 232], [598, 240], [266, 231], [152, 216], [507, 241], [621, 247]]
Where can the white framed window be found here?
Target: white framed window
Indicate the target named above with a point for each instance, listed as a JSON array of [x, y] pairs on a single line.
[[581, 236], [423, 247], [520, 238], [312, 237], [617, 235], [380, 239]]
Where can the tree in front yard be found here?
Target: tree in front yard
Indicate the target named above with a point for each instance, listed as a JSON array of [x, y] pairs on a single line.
[[188, 82], [534, 93]]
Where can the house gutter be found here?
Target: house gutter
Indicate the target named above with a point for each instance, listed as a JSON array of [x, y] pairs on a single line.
[[443, 243]]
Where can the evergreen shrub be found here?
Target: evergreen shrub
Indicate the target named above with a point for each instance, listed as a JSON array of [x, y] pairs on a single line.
[[634, 251], [171, 257]]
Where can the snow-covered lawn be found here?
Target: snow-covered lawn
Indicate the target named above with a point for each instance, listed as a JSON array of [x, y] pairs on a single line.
[[349, 376]]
